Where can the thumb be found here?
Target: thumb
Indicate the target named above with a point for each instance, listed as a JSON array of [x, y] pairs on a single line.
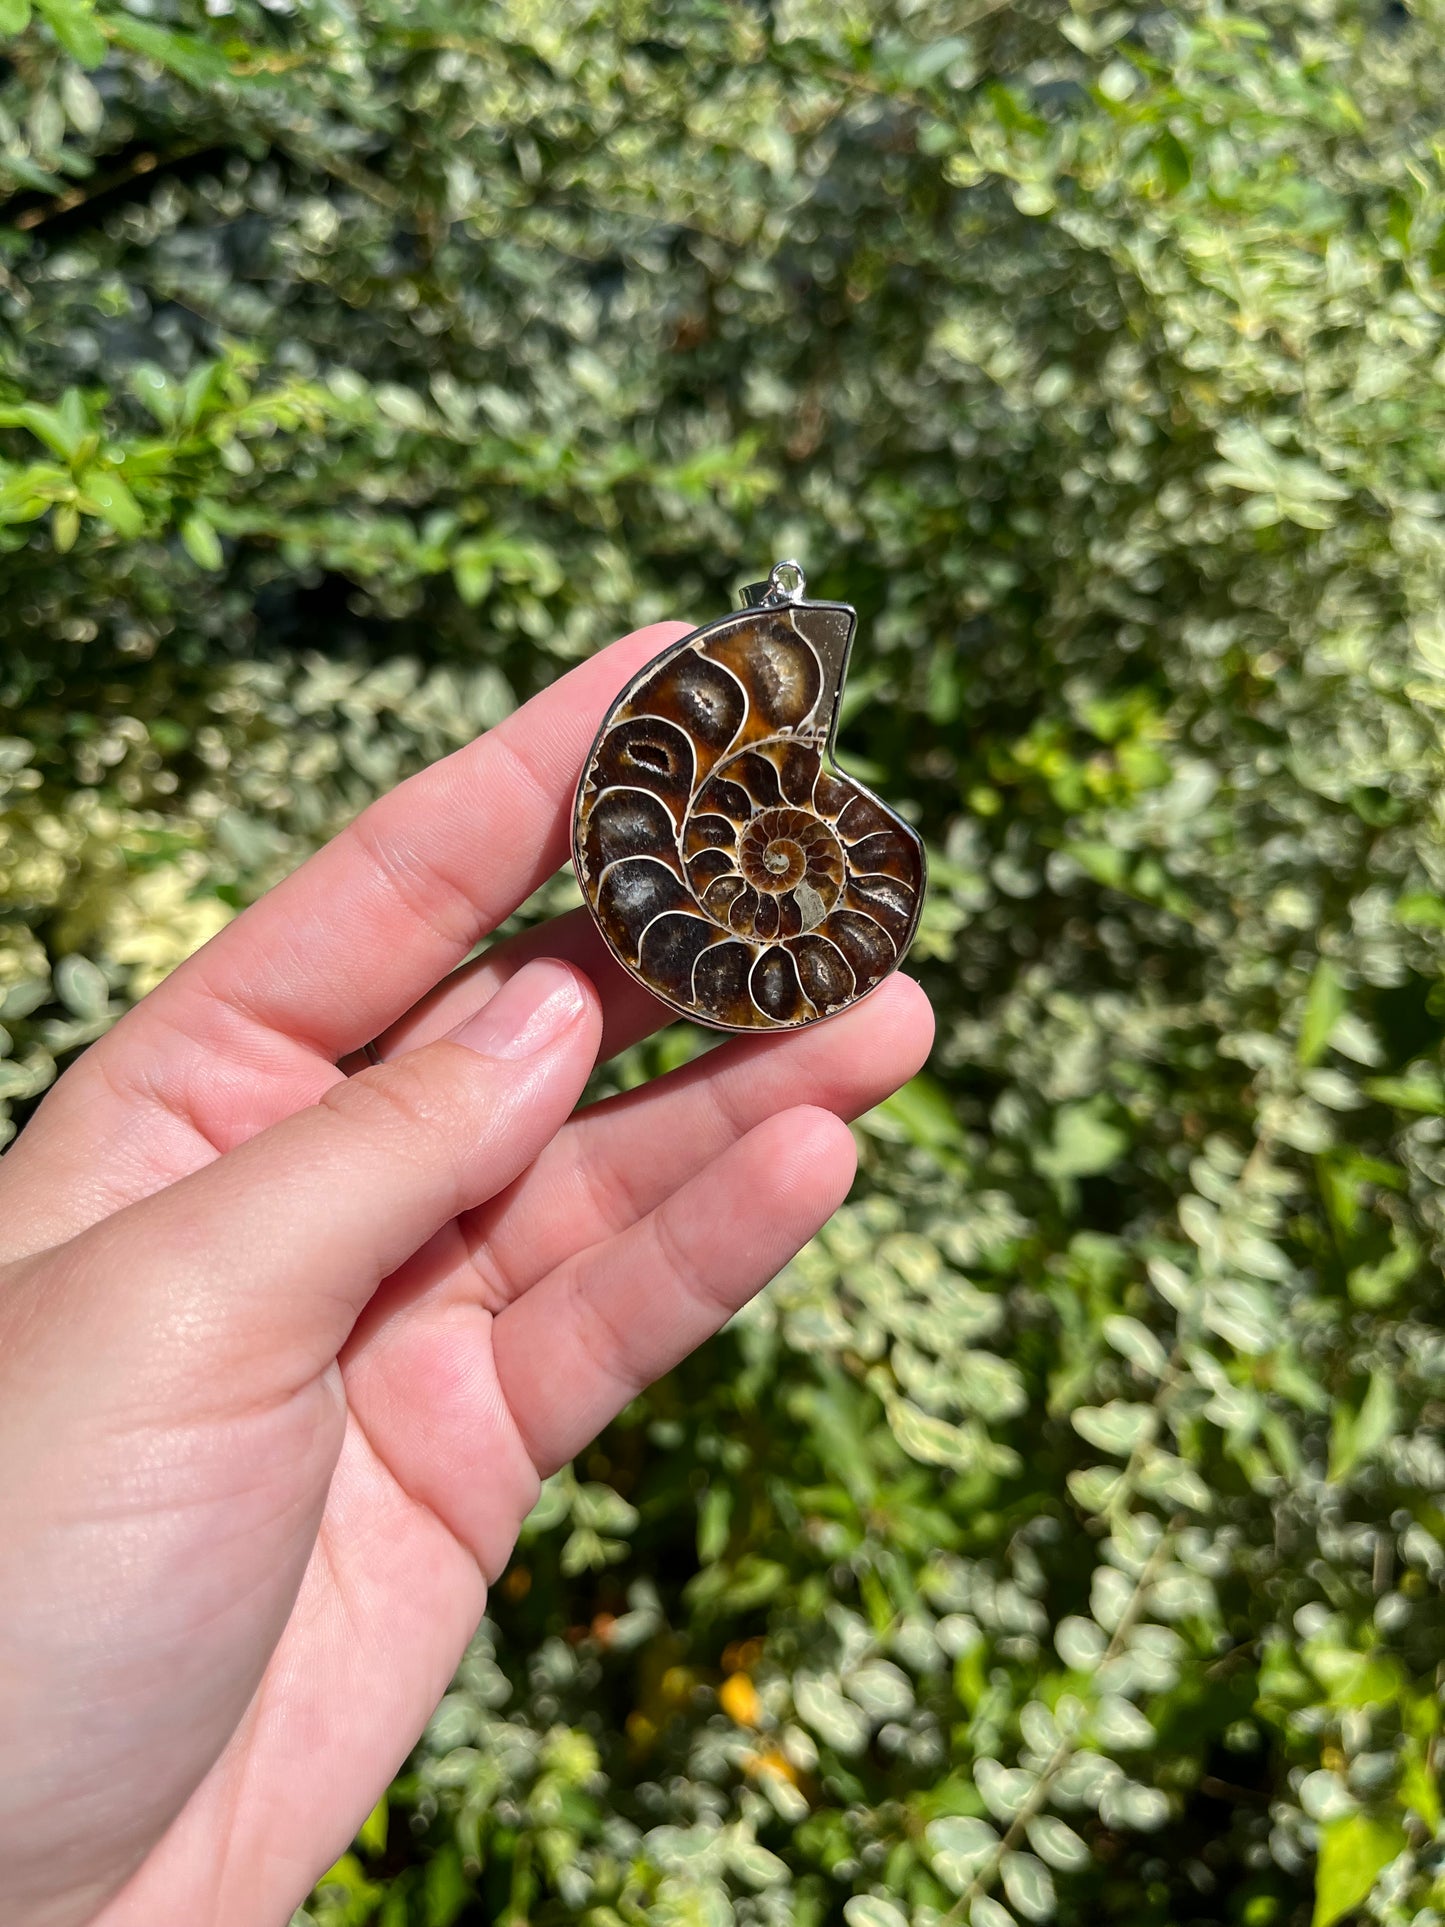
[[260, 1262]]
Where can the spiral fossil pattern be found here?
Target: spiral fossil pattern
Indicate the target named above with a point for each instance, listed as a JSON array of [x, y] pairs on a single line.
[[742, 879]]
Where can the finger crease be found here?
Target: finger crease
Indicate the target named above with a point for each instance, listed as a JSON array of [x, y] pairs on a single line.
[[735, 1116], [429, 898], [412, 1499], [172, 1102], [497, 1289], [611, 1352], [610, 1195], [542, 801], [679, 1261]]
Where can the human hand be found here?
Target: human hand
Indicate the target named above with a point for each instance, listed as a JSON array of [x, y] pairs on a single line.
[[284, 1354]]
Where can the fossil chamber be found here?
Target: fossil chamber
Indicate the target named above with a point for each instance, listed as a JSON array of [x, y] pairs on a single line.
[[731, 868]]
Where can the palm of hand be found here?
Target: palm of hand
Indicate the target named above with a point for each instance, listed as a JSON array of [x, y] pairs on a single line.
[[270, 1468]]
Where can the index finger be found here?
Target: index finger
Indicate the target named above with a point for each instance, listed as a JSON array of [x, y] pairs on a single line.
[[249, 1030], [349, 941]]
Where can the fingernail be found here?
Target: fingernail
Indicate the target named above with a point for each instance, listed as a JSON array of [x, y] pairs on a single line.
[[526, 1014]]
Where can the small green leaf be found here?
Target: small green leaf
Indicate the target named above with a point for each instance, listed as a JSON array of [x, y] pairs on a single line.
[[1398, 221], [1420, 1089], [836, 1720], [185, 54], [1120, 1725], [53, 426], [754, 1863], [14, 16], [932, 1440], [1055, 1841], [1419, 1787], [1354, 1851], [1134, 1341], [1353, 1678], [1324, 1001], [1029, 1885], [1085, 1141], [714, 1522], [871, 1910], [447, 1889], [84, 108], [347, 1879], [74, 26], [64, 527], [1421, 910], [1081, 1644], [32, 491], [203, 545], [1004, 1788], [473, 573], [1374, 1285], [1102, 862], [154, 387], [372, 1834], [112, 501], [603, 1510], [1095, 1487], [401, 405], [81, 987], [1172, 158], [959, 1845], [204, 391], [926, 1115], [1356, 1435], [1116, 1427]]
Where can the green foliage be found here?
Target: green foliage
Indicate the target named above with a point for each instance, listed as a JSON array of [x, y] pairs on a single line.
[[1063, 1534]]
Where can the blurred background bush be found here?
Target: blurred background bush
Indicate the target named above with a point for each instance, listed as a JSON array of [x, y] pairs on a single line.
[[1063, 1535]]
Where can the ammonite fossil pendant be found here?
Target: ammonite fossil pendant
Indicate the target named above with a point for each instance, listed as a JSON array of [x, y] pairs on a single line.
[[731, 868]]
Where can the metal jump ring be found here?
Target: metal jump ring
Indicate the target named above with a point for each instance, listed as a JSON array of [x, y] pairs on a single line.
[[786, 581]]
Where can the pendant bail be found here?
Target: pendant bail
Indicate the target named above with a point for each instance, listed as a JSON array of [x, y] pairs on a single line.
[[786, 583]]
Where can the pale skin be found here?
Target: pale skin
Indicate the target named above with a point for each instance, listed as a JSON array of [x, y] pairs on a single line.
[[285, 1353]]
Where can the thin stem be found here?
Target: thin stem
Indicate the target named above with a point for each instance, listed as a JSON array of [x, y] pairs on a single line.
[[1064, 1751]]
